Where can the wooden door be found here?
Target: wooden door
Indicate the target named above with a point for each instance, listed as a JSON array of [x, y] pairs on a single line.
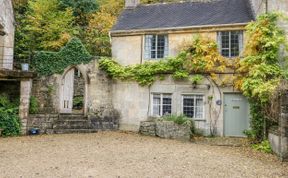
[[67, 92]]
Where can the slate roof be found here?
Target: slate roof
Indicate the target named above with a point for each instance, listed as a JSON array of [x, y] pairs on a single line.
[[185, 14]]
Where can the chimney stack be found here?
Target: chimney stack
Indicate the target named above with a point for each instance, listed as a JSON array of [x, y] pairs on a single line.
[[131, 3]]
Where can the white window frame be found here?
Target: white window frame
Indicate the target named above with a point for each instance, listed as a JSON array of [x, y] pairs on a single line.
[[166, 47], [241, 42], [194, 94], [161, 104]]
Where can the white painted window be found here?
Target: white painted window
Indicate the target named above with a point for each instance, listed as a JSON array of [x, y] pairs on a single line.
[[193, 106], [230, 43], [156, 46], [161, 104]]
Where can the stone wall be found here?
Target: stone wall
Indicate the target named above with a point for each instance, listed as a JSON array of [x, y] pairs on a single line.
[[278, 136], [55, 123], [45, 90], [283, 129], [44, 122], [165, 129]]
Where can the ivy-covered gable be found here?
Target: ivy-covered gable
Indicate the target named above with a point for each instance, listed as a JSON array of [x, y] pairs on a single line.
[[49, 63]]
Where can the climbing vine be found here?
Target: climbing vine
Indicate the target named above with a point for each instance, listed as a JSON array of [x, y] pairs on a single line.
[[199, 57], [263, 69], [48, 63]]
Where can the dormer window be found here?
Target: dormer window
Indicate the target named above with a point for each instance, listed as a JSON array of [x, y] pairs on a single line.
[[230, 43], [156, 46]]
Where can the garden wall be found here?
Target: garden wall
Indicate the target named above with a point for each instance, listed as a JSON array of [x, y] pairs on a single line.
[[165, 129]]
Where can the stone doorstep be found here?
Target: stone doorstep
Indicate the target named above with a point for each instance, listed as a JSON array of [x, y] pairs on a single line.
[[222, 141]]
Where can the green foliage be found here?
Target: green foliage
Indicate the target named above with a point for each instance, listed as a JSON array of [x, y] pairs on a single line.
[[34, 105], [261, 61], [47, 27], [78, 102], [196, 79], [144, 74], [263, 70], [264, 146], [9, 119], [48, 63], [82, 9], [199, 56]]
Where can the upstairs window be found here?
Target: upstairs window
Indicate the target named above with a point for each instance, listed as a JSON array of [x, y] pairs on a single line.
[[156, 46], [162, 104], [230, 43], [193, 106]]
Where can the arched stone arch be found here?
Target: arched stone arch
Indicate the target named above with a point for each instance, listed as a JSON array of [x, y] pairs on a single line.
[[67, 89]]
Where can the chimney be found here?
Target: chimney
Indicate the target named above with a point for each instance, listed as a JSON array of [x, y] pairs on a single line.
[[131, 3]]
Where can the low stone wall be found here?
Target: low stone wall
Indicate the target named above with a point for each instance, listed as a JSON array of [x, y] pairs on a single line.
[[44, 122], [55, 123], [165, 129]]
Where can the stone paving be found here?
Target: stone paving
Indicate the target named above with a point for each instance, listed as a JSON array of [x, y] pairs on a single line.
[[117, 154]]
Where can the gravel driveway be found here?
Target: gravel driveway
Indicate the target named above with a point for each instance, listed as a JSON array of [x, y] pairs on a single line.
[[114, 154]]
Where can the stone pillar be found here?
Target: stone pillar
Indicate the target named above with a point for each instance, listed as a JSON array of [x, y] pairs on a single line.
[[25, 93], [283, 128]]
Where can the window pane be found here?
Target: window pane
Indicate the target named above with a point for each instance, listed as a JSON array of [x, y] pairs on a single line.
[[188, 106], [188, 101], [156, 104], [199, 112], [160, 46], [188, 111], [166, 104], [225, 39], [234, 44], [167, 110], [225, 52], [199, 107], [148, 42], [193, 106]]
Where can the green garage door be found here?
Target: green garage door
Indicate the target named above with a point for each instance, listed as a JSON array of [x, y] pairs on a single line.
[[236, 115]]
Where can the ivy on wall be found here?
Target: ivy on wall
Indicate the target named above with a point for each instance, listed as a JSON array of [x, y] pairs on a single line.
[[199, 56], [48, 63]]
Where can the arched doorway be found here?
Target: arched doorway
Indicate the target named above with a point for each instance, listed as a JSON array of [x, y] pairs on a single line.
[[73, 92]]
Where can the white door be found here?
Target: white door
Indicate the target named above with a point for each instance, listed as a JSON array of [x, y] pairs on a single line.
[[67, 92]]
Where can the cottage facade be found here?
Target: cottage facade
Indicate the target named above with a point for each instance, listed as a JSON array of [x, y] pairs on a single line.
[[153, 32]]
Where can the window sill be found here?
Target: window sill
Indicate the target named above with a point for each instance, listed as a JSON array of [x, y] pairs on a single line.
[[198, 119]]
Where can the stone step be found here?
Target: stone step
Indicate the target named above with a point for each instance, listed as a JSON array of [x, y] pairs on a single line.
[[68, 131], [72, 117], [72, 124]]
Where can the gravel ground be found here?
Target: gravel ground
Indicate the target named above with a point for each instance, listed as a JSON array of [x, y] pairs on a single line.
[[115, 154]]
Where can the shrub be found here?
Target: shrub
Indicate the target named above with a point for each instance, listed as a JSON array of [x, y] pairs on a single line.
[[181, 120], [9, 119], [34, 105], [264, 146]]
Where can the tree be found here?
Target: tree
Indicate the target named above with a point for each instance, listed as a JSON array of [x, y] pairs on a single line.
[[97, 33], [46, 26], [81, 9]]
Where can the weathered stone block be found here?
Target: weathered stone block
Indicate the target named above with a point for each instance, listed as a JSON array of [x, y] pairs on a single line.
[[168, 129], [148, 128]]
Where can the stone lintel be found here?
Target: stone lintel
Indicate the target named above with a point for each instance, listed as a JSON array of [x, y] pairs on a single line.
[[16, 74]]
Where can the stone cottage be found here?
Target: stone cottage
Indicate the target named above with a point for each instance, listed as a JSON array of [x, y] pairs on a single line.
[[153, 32], [13, 82]]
